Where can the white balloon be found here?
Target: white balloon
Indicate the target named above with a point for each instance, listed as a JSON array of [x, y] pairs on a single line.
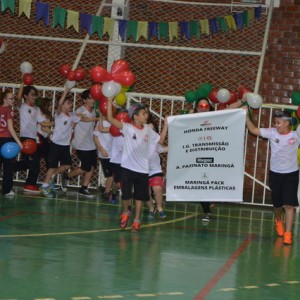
[[3, 47], [118, 88], [223, 95], [109, 89], [70, 84], [26, 67], [298, 131], [254, 100]]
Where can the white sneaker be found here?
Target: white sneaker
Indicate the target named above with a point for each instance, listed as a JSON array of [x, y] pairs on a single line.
[[11, 193]]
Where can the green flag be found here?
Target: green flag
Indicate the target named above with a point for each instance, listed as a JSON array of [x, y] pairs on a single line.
[[163, 29], [59, 17], [132, 28], [97, 25], [246, 19], [222, 24], [8, 4], [194, 28]]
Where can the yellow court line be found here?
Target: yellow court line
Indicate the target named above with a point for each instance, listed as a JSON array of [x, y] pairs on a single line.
[[97, 231]]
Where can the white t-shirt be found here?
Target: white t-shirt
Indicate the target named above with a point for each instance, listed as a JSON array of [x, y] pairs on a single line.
[[117, 146], [284, 150], [154, 161], [83, 133], [63, 128], [29, 117], [137, 147], [39, 127], [105, 139]]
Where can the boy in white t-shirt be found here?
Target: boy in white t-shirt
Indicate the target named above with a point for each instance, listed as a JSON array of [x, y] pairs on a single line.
[[84, 145], [59, 149], [284, 170], [138, 138]]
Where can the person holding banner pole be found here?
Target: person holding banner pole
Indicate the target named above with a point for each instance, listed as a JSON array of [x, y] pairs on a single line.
[[284, 171]]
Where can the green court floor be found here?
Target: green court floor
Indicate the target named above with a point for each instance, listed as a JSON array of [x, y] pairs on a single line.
[[71, 248]]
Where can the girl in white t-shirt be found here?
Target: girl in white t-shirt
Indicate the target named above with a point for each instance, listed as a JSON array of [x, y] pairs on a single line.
[[138, 138], [284, 170]]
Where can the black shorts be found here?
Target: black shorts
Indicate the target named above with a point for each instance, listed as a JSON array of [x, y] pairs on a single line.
[[59, 154], [138, 181], [284, 188], [117, 172], [88, 159], [106, 167]]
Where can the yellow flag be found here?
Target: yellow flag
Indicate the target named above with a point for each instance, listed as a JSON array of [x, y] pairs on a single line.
[[173, 30], [73, 19], [230, 22], [108, 26], [204, 25], [142, 30], [251, 14], [25, 7]]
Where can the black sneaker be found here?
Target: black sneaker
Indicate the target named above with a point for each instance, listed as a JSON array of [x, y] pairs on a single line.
[[85, 193], [64, 182], [206, 218]]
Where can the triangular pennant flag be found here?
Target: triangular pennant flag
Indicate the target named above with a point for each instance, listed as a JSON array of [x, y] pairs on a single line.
[[97, 25], [258, 12], [142, 29], [173, 30], [213, 26], [122, 29], [152, 30], [73, 19], [132, 27], [238, 17], [246, 19], [163, 29], [230, 22], [222, 24], [251, 14], [194, 28], [8, 4], [85, 22], [185, 30], [108, 27], [204, 25], [42, 12], [25, 7], [59, 17]]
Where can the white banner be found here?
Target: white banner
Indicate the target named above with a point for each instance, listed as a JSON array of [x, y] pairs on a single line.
[[205, 158]]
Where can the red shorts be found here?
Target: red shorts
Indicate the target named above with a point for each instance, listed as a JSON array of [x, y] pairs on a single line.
[[156, 181]]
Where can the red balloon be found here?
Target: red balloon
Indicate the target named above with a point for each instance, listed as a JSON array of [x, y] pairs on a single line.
[[103, 103], [123, 117], [222, 106], [71, 76], [298, 112], [28, 79], [79, 74], [64, 70], [212, 96], [29, 146], [119, 66], [242, 90], [126, 78], [96, 91], [233, 97], [114, 131], [99, 74]]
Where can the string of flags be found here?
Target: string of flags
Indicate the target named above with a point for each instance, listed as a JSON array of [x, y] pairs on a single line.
[[131, 28]]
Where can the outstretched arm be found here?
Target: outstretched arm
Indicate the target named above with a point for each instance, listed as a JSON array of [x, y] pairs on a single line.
[[251, 127], [110, 117], [61, 100], [20, 95], [164, 132]]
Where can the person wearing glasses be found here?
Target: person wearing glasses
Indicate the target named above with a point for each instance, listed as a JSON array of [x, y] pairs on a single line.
[[7, 134], [284, 170]]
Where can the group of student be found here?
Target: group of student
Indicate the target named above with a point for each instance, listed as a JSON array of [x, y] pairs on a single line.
[[131, 158]]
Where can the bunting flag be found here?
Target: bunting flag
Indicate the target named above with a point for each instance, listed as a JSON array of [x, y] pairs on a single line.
[[132, 27], [73, 19], [8, 4], [25, 7], [230, 22], [42, 12], [122, 29], [194, 28], [173, 30], [185, 30], [59, 17], [204, 26], [108, 27], [97, 25], [86, 22], [142, 30], [152, 30], [213, 26]]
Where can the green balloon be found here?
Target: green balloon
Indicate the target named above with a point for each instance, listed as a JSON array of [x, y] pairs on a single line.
[[190, 96], [296, 97], [200, 93], [206, 86]]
